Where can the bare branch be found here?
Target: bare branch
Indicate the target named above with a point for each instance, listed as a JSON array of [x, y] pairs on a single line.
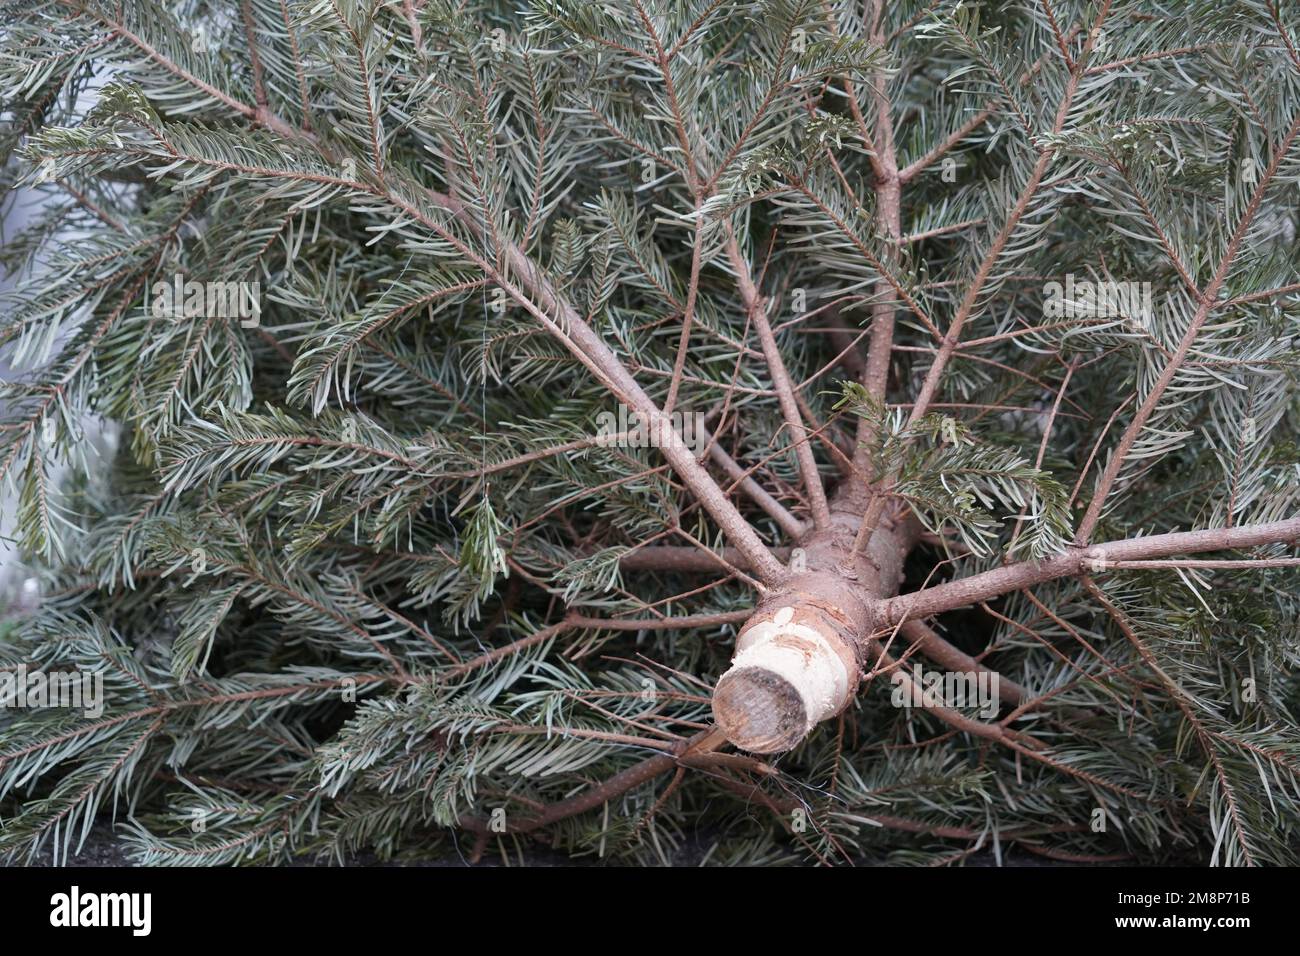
[[1076, 560]]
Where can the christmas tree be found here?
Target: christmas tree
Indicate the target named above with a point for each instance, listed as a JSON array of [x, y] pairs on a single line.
[[774, 430]]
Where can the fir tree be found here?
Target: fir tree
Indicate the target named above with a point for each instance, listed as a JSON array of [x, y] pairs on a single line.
[[983, 318]]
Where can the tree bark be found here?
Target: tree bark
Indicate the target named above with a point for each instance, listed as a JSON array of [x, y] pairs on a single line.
[[799, 657]]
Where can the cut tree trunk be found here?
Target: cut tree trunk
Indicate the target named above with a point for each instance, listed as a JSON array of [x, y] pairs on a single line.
[[800, 656]]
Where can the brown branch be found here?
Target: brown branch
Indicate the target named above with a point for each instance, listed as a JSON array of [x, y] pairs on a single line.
[[946, 655], [949, 716], [687, 560], [1075, 560], [1181, 701], [514, 647], [685, 622], [791, 525], [1208, 301], [615, 786], [875, 377], [782, 384], [254, 57]]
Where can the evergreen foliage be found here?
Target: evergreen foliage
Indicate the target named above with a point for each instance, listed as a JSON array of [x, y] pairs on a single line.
[[361, 575]]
